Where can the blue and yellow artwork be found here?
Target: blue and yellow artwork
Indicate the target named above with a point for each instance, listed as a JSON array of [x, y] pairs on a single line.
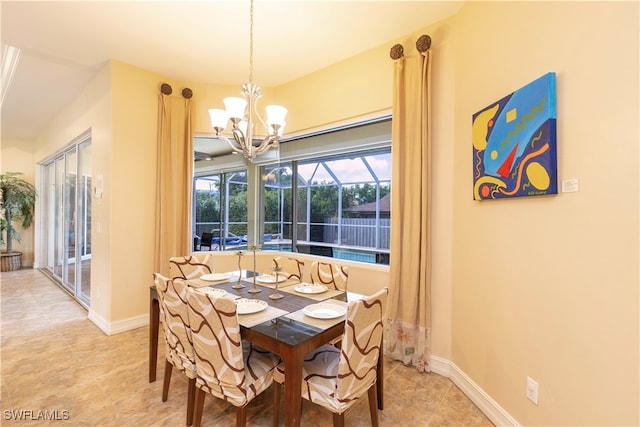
[[514, 143]]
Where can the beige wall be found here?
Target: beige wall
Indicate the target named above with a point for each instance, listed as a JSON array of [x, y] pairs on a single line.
[[547, 287], [90, 111], [17, 156], [133, 176], [357, 88], [338, 94]]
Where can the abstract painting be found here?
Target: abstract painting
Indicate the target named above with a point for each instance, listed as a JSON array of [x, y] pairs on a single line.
[[514, 143]]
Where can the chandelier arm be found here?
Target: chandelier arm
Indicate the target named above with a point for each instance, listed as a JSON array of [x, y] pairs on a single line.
[[233, 147], [238, 136], [256, 110], [241, 140], [268, 142]]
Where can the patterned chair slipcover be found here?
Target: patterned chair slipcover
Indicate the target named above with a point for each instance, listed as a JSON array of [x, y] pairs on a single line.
[[190, 266], [226, 366], [336, 378], [172, 296], [291, 267], [331, 275]]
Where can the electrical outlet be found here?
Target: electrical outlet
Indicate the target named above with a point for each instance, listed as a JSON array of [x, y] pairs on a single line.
[[532, 390]]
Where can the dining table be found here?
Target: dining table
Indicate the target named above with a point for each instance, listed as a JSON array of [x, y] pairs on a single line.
[[284, 323]]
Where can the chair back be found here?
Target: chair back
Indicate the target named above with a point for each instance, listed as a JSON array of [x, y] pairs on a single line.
[[172, 296], [206, 240], [331, 275], [226, 366], [291, 268], [361, 346], [191, 266]]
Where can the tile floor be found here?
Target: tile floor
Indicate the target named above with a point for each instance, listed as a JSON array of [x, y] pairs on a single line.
[[54, 359]]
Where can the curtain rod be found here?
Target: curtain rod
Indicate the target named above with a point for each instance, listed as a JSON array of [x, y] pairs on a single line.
[[166, 89], [422, 44]]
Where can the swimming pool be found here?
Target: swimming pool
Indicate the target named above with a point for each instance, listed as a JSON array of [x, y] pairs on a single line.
[[349, 254]]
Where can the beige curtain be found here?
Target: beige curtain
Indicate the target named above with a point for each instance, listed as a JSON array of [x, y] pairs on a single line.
[[174, 180], [408, 331]]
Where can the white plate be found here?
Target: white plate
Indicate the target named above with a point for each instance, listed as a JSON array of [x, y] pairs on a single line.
[[212, 291], [270, 278], [215, 277], [248, 306], [309, 288], [324, 310]]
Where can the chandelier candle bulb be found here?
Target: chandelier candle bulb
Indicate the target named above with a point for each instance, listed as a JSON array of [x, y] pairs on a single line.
[[275, 115], [235, 107], [219, 119]]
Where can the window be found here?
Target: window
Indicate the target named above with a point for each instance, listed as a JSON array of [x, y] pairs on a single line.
[[220, 208], [325, 194]]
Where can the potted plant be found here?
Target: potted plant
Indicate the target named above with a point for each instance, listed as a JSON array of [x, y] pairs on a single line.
[[17, 203]]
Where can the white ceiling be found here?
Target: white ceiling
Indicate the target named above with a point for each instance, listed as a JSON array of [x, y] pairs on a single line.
[[63, 44]]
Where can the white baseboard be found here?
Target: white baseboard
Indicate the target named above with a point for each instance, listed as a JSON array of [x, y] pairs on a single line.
[[112, 328], [440, 366], [482, 400]]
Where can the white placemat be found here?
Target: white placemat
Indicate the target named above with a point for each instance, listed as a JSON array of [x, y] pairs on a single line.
[[213, 285], [250, 320], [281, 285], [318, 323], [216, 277], [198, 283], [317, 297]]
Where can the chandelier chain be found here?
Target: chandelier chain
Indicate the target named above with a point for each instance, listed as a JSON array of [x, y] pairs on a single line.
[[251, 42]]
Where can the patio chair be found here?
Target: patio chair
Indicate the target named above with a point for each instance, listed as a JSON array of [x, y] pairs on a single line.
[[206, 240]]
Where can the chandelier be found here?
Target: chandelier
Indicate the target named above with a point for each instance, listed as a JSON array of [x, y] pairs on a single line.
[[241, 111]]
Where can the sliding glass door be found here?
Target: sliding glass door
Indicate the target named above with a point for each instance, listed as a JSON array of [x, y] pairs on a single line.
[[66, 204]]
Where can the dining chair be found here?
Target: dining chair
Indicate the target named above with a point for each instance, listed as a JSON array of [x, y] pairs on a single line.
[[190, 266], [292, 268], [227, 367], [337, 378], [333, 276], [172, 296]]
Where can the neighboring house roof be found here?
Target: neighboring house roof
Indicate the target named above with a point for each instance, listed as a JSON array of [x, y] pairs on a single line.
[[385, 206]]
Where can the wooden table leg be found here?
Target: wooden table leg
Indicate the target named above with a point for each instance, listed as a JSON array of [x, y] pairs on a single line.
[[293, 361], [154, 327]]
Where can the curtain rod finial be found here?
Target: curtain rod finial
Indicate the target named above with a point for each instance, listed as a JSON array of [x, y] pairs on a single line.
[[165, 88], [187, 93], [396, 52], [423, 43]]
